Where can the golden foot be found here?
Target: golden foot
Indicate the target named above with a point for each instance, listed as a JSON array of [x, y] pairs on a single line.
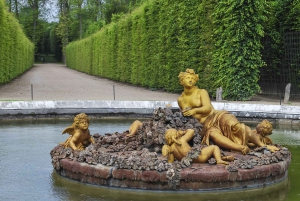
[[228, 158], [222, 162]]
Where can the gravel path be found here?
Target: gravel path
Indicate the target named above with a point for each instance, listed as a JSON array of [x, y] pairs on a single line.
[[57, 82]]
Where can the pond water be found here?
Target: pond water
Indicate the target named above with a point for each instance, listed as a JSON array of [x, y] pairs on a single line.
[[26, 172]]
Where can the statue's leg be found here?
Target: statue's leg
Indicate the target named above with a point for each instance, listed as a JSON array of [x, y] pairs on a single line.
[[208, 152], [134, 128], [219, 139]]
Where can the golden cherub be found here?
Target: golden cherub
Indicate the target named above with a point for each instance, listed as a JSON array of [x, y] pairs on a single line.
[[177, 148], [80, 134], [263, 129]]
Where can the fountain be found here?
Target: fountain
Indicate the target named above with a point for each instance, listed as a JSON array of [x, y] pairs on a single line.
[[238, 159]]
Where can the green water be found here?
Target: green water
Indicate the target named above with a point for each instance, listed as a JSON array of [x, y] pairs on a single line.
[[26, 172]]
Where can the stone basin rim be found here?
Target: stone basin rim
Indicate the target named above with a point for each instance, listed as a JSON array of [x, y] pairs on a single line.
[[109, 176], [221, 190]]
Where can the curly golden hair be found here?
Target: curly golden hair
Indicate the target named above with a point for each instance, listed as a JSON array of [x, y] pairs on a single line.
[[264, 128], [188, 71], [169, 135], [165, 150], [79, 117]]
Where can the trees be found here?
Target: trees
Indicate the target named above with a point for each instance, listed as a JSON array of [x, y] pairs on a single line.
[[77, 18], [32, 16], [81, 18]]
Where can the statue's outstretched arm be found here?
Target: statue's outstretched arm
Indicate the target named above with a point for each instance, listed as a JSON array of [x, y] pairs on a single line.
[[134, 128], [188, 134]]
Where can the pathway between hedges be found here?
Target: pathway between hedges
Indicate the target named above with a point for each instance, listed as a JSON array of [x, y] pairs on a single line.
[[58, 82]]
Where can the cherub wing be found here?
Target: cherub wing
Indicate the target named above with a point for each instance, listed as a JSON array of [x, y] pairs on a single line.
[[70, 130]]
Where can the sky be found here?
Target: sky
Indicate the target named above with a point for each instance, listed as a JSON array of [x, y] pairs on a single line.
[[52, 11]]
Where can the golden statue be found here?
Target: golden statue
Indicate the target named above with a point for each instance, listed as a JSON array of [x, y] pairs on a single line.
[[80, 134], [134, 128], [220, 127], [263, 129], [177, 148]]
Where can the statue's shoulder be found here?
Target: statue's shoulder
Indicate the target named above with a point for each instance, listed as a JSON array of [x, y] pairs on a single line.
[[202, 91], [181, 96]]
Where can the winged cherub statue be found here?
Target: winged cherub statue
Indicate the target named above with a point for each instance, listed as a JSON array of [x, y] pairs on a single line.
[[80, 134]]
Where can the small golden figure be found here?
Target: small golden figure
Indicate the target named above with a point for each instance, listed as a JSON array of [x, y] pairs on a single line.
[[221, 127], [177, 148], [263, 129], [134, 128], [80, 134]]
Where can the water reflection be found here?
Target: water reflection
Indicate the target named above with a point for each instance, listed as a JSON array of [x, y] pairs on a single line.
[[76, 191], [26, 172]]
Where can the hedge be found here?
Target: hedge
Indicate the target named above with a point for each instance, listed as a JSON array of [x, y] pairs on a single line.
[[16, 51], [158, 40]]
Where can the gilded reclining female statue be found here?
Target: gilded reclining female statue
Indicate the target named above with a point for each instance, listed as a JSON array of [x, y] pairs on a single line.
[[220, 127]]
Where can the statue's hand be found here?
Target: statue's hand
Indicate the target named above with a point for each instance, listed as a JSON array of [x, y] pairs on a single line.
[[188, 112], [245, 150], [272, 148]]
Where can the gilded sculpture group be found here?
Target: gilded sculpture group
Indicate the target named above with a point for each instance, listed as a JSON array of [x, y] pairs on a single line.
[[219, 127]]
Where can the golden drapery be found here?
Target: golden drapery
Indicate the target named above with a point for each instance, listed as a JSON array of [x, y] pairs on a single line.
[[223, 122]]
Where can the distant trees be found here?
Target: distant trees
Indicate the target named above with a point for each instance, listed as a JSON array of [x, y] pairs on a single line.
[[81, 18], [77, 19]]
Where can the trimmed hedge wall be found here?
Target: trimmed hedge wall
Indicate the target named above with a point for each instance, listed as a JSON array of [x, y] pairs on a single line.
[[147, 48], [158, 40], [16, 51]]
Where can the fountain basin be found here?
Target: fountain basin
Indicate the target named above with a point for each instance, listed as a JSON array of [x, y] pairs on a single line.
[[201, 177]]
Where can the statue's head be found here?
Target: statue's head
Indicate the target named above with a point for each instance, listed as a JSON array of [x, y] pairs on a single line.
[[81, 117], [171, 136], [190, 72], [264, 128]]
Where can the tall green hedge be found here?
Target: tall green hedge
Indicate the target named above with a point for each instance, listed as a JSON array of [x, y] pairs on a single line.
[[237, 56], [16, 51], [161, 38]]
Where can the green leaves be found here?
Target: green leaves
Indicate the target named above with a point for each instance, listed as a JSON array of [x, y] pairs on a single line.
[[237, 55], [16, 51], [219, 39]]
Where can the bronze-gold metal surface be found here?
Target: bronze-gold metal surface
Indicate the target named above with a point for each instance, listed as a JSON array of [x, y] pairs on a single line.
[[220, 127]]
